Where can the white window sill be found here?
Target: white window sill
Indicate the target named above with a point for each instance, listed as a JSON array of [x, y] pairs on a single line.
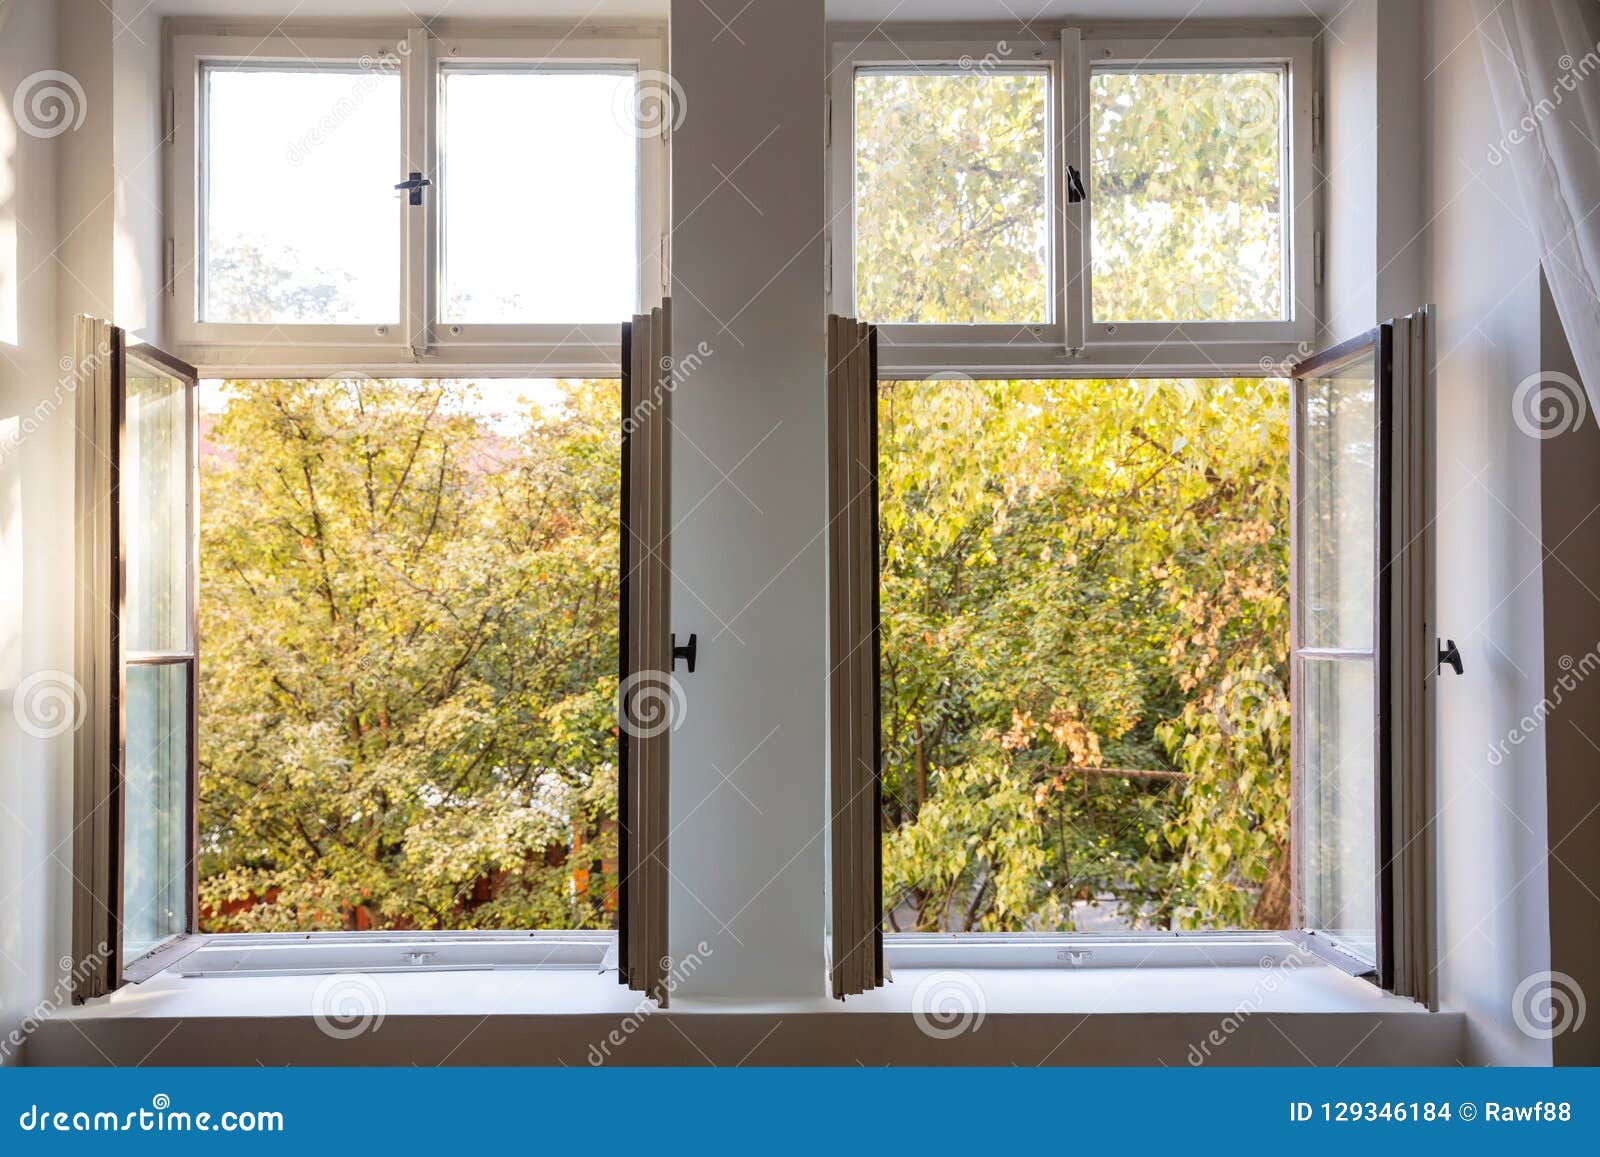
[[1261, 1008]]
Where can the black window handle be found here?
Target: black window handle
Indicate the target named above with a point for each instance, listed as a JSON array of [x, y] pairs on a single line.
[[1449, 656], [686, 651], [415, 183], [1075, 193]]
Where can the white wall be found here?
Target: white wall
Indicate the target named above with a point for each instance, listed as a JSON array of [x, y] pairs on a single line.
[[80, 232], [1483, 273], [1372, 167], [747, 551], [138, 300], [35, 529]]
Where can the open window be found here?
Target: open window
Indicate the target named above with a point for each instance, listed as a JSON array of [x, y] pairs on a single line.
[[1042, 205], [350, 201], [1155, 656], [1363, 655], [419, 714], [134, 824]]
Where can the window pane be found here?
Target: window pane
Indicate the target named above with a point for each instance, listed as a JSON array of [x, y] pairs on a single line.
[[1338, 769], [300, 220], [155, 497], [543, 227], [155, 818], [1338, 520], [950, 179], [1186, 195]]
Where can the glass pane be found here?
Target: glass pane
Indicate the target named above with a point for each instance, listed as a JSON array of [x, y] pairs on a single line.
[[545, 228], [155, 818], [1186, 195], [1338, 771], [951, 220], [155, 494], [300, 220], [1338, 519]]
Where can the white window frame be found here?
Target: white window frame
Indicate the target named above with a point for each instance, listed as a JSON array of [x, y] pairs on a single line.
[[1071, 344], [420, 343], [545, 350], [901, 344], [260, 344], [1294, 55]]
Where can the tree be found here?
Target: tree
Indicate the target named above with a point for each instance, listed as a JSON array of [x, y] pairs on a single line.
[[1080, 576], [410, 631]]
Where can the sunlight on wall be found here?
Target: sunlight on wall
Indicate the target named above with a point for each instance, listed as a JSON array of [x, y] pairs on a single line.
[[9, 273], [10, 556]]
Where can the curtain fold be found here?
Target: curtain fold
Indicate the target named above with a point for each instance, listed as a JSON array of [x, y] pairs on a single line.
[[855, 858], [647, 695], [1542, 58]]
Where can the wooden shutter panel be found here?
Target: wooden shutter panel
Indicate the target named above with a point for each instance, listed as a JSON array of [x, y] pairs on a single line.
[[854, 780], [647, 696]]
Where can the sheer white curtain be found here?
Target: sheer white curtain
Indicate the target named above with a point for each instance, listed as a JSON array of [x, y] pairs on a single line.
[[1543, 62]]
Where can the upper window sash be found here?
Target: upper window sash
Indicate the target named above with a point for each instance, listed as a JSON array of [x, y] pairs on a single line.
[[1297, 211], [1070, 342], [1044, 336], [193, 57], [654, 111], [417, 335]]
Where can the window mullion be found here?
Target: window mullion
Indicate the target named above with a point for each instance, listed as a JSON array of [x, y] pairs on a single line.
[[421, 154], [1070, 219]]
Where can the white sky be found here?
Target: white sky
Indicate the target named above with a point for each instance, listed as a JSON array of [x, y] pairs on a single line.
[[539, 176]]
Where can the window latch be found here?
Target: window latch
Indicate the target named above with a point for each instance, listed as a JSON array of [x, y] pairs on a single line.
[[1449, 656], [1075, 193], [415, 184]]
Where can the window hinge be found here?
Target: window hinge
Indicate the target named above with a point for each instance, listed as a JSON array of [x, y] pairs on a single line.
[[169, 267], [665, 263], [827, 266], [1316, 121], [1316, 257], [827, 121], [168, 116]]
